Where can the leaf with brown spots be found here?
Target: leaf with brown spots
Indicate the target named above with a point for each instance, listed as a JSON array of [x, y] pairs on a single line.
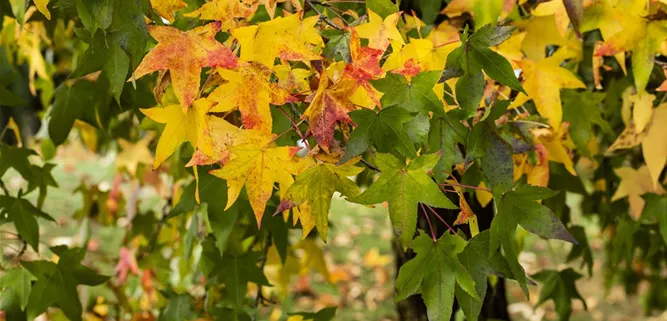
[[364, 67], [257, 164], [329, 107], [231, 13], [184, 54], [167, 8]]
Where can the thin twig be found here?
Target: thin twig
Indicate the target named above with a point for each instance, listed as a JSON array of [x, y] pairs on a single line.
[[323, 17], [530, 122], [298, 131], [440, 218], [4, 188], [430, 226], [370, 166], [466, 186]]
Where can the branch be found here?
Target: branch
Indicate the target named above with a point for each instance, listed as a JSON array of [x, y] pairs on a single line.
[[322, 16]]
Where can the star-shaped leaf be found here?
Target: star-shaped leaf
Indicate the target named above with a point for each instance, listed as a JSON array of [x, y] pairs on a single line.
[[316, 186], [416, 95], [363, 68], [184, 54], [24, 215], [181, 126], [634, 184], [404, 187], [330, 105], [257, 165], [18, 280], [384, 130], [133, 154], [380, 32], [287, 38], [435, 272], [231, 13], [559, 286], [57, 283], [520, 207], [250, 91]]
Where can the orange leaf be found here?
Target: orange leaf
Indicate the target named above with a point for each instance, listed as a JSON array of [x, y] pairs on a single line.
[[184, 54]]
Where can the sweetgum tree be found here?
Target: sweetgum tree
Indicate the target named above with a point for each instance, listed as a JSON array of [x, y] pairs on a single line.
[[471, 121]]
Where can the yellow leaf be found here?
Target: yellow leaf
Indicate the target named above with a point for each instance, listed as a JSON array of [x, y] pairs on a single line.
[[483, 197], [41, 6], [484, 11], [540, 33], [231, 13], [554, 143], [627, 139], [635, 183], [642, 109], [181, 126], [373, 258], [543, 81], [279, 274], [14, 127], [286, 38], [257, 165], [134, 154], [167, 8], [654, 145], [380, 32], [313, 259]]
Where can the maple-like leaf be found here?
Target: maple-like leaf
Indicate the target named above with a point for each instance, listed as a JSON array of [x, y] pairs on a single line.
[[271, 5], [127, 263], [330, 105], [287, 38], [364, 67], [248, 89], [556, 144], [257, 165], [560, 287], [231, 13], [543, 81], [316, 186], [134, 154], [625, 26], [435, 272], [380, 32], [181, 126], [634, 184], [217, 137], [167, 8], [404, 187], [184, 54]]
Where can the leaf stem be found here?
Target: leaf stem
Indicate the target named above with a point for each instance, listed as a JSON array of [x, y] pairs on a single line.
[[441, 219], [430, 226], [323, 17], [298, 131], [466, 186]]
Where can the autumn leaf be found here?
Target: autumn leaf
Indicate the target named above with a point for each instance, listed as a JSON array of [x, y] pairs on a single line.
[[484, 11], [404, 187], [134, 154], [330, 105], [288, 38], [181, 126], [215, 142], [230, 13], [184, 54], [248, 89], [543, 81], [363, 68], [167, 8], [316, 186], [557, 145], [380, 32], [466, 215], [256, 165], [625, 27], [634, 184]]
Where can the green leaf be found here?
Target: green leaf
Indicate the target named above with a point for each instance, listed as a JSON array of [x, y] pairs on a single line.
[[404, 187], [179, 308], [316, 186], [429, 9], [494, 155], [338, 44], [476, 261], [235, 271], [445, 135], [469, 92], [18, 280], [582, 111], [115, 68], [69, 104], [490, 35], [325, 314], [414, 96], [434, 272], [583, 250], [656, 207], [16, 158], [520, 207], [559, 287], [384, 130], [23, 213], [382, 7], [56, 283]]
